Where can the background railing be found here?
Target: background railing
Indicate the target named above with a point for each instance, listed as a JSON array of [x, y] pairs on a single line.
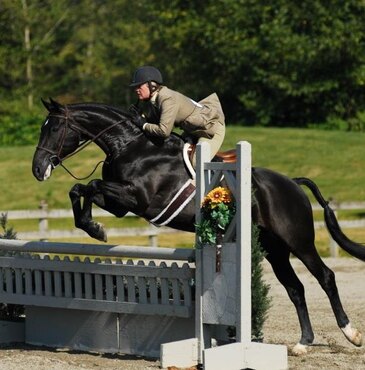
[[43, 214], [44, 232], [345, 224]]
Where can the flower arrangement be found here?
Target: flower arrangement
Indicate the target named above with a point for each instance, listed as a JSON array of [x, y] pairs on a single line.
[[217, 210]]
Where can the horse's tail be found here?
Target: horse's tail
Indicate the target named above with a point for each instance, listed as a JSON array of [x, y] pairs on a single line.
[[355, 249]]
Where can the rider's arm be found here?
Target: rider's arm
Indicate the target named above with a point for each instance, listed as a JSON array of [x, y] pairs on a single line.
[[168, 107]]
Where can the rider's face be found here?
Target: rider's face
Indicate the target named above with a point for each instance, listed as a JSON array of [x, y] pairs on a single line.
[[143, 91]]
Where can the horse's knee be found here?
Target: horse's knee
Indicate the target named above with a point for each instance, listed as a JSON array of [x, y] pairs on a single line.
[[81, 190], [75, 191]]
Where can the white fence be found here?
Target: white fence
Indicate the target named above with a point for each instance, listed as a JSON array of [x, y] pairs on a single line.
[[43, 214], [344, 206], [345, 224]]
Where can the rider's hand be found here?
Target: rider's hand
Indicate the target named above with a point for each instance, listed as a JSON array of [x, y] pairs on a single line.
[[134, 110], [139, 120], [137, 117]]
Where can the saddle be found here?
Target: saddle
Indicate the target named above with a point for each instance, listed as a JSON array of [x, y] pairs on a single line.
[[228, 156]]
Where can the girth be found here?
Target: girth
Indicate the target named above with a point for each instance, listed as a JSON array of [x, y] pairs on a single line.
[[176, 205]]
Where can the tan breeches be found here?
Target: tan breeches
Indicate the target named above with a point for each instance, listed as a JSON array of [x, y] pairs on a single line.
[[215, 142]]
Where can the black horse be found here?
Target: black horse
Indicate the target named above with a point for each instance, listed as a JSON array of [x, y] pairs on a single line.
[[141, 174]]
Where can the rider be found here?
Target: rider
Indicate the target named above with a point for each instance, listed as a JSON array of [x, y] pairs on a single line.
[[166, 108]]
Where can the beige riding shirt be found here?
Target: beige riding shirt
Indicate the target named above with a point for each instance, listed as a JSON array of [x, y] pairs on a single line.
[[200, 119]]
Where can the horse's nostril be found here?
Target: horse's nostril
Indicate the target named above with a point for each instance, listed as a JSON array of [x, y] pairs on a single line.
[[37, 172]]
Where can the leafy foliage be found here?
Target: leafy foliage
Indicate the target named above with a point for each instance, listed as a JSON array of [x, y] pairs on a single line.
[[217, 211], [20, 129], [260, 300], [272, 64], [283, 63], [8, 311], [7, 232]]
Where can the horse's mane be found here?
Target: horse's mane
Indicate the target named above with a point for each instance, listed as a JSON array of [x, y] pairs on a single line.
[[173, 140], [100, 107]]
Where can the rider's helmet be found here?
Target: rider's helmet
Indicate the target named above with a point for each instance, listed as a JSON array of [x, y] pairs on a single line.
[[146, 74]]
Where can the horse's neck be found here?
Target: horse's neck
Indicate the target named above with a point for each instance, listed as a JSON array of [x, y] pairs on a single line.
[[111, 135], [117, 136]]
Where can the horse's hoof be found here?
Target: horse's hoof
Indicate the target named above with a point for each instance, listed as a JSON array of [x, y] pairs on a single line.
[[299, 349], [353, 335], [98, 232]]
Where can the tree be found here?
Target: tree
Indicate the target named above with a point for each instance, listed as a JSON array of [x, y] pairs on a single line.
[[71, 51], [28, 29], [282, 63]]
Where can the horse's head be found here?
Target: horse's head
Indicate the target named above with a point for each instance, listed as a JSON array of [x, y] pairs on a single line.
[[56, 141], [68, 127]]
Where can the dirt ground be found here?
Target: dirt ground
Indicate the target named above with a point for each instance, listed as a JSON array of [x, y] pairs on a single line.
[[330, 350]]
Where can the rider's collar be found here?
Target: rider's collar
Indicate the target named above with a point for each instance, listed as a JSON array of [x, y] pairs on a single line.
[[154, 97]]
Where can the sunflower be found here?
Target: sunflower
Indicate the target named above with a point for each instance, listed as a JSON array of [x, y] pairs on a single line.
[[216, 196], [218, 209]]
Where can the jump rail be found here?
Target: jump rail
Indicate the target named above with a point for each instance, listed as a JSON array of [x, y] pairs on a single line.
[[43, 214], [178, 254], [113, 304]]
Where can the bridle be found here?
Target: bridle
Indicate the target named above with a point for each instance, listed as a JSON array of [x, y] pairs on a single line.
[[70, 123]]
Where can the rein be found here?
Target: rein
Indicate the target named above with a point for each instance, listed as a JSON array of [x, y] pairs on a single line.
[[81, 178], [57, 154]]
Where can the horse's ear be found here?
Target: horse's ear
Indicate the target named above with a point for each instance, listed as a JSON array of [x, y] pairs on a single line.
[[55, 106], [46, 104]]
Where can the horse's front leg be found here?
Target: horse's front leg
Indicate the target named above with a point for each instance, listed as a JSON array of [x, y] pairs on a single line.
[[82, 211], [101, 193]]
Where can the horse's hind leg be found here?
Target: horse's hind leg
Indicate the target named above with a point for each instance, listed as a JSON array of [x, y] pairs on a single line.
[[278, 256], [326, 279]]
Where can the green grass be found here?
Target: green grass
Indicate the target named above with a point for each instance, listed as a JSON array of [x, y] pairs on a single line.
[[334, 160]]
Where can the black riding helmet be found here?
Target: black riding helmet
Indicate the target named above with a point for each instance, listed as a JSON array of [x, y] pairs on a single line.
[[146, 74]]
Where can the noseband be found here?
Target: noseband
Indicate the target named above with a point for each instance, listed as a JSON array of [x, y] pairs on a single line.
[[56, 159], [56, 155]]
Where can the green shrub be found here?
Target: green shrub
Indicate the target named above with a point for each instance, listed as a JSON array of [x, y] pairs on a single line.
[[19, 129], [260, 301], [8, 311]]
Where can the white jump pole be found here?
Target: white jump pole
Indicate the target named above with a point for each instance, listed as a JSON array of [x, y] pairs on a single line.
[[243, 353], [203, 156], [243, 210]]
